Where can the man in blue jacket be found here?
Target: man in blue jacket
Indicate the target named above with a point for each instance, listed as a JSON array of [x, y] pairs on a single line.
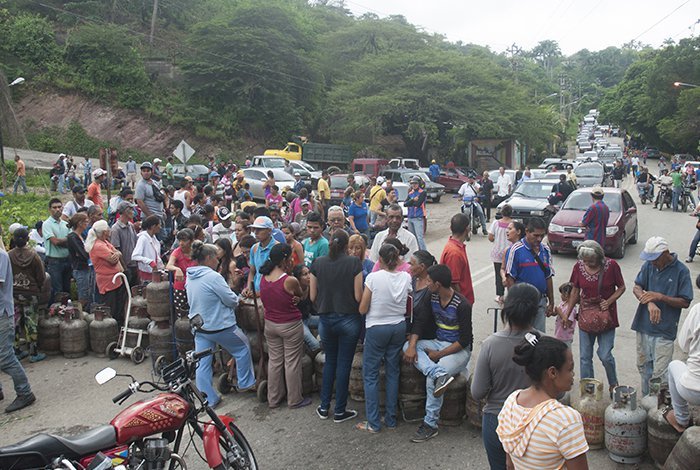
[[434, 170], [416, 211]]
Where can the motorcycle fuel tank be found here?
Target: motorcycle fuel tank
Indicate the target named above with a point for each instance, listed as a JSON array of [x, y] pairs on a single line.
[[164, 412]]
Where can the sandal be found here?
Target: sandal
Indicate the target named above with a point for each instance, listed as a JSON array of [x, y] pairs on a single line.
[[664, 412], [364, 426]]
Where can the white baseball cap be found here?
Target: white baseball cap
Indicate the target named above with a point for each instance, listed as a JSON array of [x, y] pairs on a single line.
[[654, 247], [15, 226], [98, 172]]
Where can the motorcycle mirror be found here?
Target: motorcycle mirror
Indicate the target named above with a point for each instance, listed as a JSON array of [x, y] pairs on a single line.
[[105, 375]]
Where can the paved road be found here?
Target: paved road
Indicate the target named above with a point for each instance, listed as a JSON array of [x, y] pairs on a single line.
[[69, 400]]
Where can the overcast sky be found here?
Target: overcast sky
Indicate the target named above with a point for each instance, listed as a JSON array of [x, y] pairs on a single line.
[[574, 24]]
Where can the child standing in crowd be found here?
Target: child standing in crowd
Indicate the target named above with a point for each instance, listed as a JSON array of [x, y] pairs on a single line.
[[566, 320]]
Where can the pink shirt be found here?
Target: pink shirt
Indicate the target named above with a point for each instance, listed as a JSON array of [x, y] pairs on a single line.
[[182, 262], [565, 334], [403, 267]]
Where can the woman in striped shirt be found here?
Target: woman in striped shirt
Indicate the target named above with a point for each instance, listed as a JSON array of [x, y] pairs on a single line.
[[538, 432]]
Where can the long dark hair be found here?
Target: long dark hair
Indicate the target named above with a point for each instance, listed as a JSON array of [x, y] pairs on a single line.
[[338, 245], [389, 255], [225, 262]]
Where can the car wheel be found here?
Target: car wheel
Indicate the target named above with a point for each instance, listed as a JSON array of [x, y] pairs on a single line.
[[620, 252], [436, 199], [635, 237]]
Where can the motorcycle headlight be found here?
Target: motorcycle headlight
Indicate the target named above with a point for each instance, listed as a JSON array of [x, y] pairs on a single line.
[[554, 228], [610, 231]]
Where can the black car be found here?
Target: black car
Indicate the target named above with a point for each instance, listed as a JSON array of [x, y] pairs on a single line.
[[198, 173], [530, 199]]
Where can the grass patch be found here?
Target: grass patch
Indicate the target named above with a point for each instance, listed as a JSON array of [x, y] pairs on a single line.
[[26, 209]]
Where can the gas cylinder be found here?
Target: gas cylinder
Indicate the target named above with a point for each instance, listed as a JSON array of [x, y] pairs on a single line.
[[662, 436], [254, 339], [139, 321], [183, 336], [139, 306], [475, 408], [161, 341], [319, 362], [411, 392], [625, 427], [245, 315], [684, 455], [651, 401], [73, 338], [45, 294], [158, 300], [592, 409], [356, 386], [49, 334], [454, 402], [103, 330], [307, 375]]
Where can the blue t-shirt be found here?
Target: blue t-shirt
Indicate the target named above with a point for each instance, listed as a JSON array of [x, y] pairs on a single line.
[[522, 266], [673, 281], [258, 256], [367, 267], [360, 216]]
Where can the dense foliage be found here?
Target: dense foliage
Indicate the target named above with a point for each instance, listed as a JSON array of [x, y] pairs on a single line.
[[647, 101], [264, 70]]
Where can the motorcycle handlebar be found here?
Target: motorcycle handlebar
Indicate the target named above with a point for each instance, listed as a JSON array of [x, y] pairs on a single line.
[[122, 396]]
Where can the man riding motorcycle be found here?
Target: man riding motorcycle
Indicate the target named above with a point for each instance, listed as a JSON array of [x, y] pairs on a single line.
[[665, 183], [469, 192], [645, 184]]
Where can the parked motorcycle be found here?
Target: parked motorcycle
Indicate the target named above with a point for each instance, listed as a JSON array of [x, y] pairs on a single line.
[[665, 196], [469, 204], [646, 192], [147, 435]]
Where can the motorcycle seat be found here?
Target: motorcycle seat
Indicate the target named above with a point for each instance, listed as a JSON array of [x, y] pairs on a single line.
[[35, 451]]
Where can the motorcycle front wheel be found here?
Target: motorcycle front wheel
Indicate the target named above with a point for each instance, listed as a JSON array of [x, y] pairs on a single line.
[[225, 448]]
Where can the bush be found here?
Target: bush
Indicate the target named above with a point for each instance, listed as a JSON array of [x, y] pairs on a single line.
[[26, 209], [29, 39]]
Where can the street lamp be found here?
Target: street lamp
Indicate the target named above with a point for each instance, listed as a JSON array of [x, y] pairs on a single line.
[[680, 84], [548, 96], [16, 81]]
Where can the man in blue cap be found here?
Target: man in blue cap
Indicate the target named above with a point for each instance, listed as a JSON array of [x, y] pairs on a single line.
[[663, 288]]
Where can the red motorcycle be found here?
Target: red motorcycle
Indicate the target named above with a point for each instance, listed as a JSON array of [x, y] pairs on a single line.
[[147, 435]]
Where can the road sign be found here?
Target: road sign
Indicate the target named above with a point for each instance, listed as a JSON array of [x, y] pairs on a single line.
[[183, 152]]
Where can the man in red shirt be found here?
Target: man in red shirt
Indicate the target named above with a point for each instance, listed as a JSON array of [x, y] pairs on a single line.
[[454, 255], [93, 191]]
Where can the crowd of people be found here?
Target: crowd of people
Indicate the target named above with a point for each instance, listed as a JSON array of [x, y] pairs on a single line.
[[316, 269]]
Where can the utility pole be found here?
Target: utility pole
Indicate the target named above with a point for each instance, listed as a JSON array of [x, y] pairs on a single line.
[[513, 52], [154, 16]]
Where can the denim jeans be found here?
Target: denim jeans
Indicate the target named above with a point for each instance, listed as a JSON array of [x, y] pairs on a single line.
[[339, 333], [372, 218], [87, 179], [60, 271], [20, 181], [451, 365], [85, 283], [492, 444], [382, 342], [236, 343], [654, 354], [310, 340], [694, 245], [606, 343], [540, 322], [675, 197], [62, 184], [415, 226], [680, 395], [9, 363]]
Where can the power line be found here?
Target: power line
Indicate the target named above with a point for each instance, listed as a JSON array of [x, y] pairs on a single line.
[[662, 19]]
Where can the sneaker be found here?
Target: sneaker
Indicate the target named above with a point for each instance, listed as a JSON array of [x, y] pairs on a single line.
[[346, 415], [441, 384], [689, 259], [21, 402], [37, 357], [424, 433], [323, 414]]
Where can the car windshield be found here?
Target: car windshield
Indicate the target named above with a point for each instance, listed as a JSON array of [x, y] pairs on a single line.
[[303, 165], [339, 182], [274, 162], [589, 171], [407, 177], [535, 190], [195, 169], [582, 201]]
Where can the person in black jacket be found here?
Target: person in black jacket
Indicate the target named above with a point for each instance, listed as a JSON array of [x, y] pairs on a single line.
[[440, 343], [79, 259]]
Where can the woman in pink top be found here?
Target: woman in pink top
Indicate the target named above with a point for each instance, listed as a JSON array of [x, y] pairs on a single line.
[[181, 259], [106, 260], [403, 266], [284, 331]]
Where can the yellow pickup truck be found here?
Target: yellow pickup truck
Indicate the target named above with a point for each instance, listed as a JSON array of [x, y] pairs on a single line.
[[291, 152]]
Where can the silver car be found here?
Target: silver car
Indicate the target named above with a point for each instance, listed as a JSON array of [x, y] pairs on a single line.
[[256, 176]]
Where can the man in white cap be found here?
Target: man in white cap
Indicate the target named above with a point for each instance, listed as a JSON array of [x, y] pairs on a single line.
[[224, 228], [377, 194], [664, 288], [147, 194], [94, 191], [259, 253]]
